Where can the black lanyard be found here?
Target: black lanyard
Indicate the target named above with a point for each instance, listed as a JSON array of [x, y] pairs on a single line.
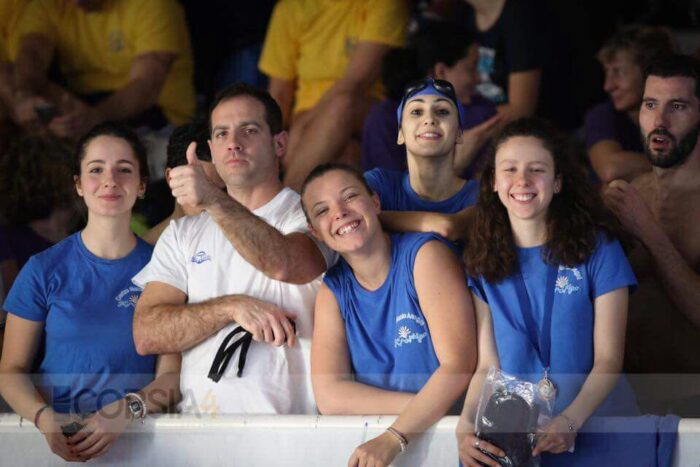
[[541, 339], [225, 353]]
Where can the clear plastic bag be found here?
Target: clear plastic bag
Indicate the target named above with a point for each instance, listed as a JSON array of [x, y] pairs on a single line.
[[509, 413]]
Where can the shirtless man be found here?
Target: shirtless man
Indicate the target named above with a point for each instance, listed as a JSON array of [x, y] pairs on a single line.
[[662, 210]]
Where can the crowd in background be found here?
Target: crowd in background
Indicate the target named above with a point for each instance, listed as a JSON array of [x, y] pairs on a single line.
[[132, 83]]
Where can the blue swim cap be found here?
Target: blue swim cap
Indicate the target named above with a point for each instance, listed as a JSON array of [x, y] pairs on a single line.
[[431, 87]]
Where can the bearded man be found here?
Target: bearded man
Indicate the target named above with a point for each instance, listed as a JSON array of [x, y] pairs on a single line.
[[661, 209]]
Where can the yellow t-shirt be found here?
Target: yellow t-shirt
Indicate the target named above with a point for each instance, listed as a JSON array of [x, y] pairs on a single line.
[[95, 50], [311, 41], [10, 13]]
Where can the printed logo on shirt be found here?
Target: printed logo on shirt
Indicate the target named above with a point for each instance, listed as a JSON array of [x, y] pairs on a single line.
[[406, 335], [200, 257], [128, 297], [564, 284]]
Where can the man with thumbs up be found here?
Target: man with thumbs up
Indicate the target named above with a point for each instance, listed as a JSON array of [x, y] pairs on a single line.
[[245, 262]]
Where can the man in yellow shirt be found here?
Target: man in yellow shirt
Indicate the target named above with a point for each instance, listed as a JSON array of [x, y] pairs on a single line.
[[323, 58], [126, 60]]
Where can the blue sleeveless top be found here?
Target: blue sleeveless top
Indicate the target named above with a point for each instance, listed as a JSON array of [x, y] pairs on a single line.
[[388, 339]]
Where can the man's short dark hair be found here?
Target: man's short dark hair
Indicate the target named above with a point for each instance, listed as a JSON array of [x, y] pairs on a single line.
[[676, 65], [181, 138], [273, 113]]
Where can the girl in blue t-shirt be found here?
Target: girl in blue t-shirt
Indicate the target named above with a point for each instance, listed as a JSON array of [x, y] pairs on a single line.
[[76, 302], [394, 327], [429, 196], [550, 286]]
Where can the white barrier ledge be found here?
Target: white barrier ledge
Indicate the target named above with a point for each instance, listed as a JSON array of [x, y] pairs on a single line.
[[263, 440]]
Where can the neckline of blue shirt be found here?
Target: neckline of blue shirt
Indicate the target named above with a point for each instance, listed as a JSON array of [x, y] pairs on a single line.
[[438, 204], [105, 261], [360, 288]]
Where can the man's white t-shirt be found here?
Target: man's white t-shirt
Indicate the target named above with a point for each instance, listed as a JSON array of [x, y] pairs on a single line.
[[194, 256]]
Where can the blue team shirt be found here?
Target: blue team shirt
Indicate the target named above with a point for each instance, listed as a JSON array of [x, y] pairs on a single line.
[[87, 305], [388, 338], [575, 290], [396, 194]]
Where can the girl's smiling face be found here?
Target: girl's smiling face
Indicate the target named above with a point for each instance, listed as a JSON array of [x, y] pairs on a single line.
[[429, 126], [342, 213], [525, 178], [109, 179]]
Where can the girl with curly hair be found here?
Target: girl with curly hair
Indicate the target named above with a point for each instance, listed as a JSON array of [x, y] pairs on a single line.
[[550, 285]]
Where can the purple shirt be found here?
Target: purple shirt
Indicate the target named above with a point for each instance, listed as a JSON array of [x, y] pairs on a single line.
[[379, 148], [603, 122]]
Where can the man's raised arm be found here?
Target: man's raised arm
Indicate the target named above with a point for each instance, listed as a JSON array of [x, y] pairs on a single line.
[[681, 282], [293, 258]]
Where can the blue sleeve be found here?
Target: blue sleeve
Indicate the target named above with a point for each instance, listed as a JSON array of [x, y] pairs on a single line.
[[28, 295], [377, 181], [608, 269], [477, 288], [336, 281]]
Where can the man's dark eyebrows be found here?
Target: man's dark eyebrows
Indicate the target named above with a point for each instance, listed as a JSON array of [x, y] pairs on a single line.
[[249, 123], [219, 127]]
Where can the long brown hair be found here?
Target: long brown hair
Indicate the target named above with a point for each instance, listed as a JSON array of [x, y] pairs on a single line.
[[575, 217]]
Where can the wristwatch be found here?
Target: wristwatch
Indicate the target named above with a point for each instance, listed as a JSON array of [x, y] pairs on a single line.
[[136, 405]]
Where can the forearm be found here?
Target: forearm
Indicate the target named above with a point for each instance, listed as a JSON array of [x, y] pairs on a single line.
[[347, 397], [269, 251], [433, 401], [282, 91], [450, 226], [133, 99], [414, 221], [471, 401], [17, 389], [464, 156], [620, 164], [162, 392], [681, 283], [600, 381], [167, 328]]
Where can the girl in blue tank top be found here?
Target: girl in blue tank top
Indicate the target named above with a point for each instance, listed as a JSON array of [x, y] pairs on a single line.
[[394, 329], [76, 301], [550, 286]]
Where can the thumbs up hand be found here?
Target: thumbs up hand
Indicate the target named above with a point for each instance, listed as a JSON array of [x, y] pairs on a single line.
[[191, 154], [189, 184]]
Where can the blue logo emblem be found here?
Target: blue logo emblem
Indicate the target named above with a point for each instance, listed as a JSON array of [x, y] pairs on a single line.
[[200, 257]]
